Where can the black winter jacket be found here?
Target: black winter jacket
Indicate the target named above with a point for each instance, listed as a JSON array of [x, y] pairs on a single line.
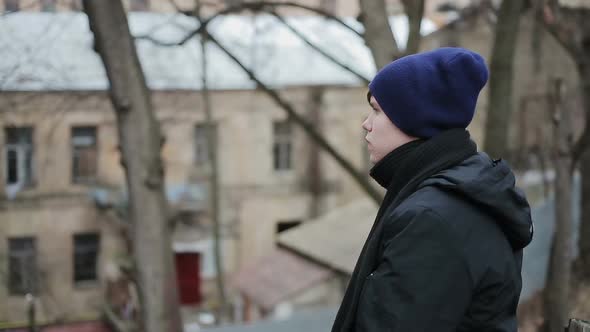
[[449, 256]]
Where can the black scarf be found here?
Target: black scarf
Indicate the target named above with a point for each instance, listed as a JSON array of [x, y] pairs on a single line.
[[400, 172]]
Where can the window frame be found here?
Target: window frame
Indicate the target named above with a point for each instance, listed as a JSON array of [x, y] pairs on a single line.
[[75, 150], [26, 255], [282, 148], [11, 5], [201, 143], [25, 157], [82, 249]]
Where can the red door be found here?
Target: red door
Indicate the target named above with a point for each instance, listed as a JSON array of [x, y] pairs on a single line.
[[189, 277]]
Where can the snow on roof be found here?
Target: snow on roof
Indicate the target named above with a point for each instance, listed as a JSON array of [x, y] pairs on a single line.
[[53, 51]]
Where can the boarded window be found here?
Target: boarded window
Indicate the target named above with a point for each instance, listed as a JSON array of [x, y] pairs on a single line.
[[11, 5], [283, 145], [86, 248], [202, 143], [84, 154], [19, 156], [22, 266]]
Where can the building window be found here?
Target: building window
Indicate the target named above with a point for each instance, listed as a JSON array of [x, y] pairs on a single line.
[[86, 248], [11, 5], [202, 143], [22, 266], [139, 5], [19, 156], [283, 145], [84, 154], [48, 5]]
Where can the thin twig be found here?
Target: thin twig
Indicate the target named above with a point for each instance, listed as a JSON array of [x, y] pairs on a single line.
[[550, 18], [321, 141], [255, 7], [318, 49]]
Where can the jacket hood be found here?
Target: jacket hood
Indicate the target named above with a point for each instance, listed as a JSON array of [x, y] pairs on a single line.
[[490, 185]]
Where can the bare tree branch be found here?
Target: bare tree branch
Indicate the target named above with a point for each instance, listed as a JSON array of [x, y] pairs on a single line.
[[299, 120], [414, 10], [378, 35], [288, 26], [561, 32], [500, 105], [213, 175], [259, 6], [318, 49], [306, 126]]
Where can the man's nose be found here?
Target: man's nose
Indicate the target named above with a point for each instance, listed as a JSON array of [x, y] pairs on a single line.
[[366, 125]]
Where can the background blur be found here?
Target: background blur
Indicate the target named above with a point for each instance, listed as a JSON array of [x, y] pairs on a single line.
[[199, 165]]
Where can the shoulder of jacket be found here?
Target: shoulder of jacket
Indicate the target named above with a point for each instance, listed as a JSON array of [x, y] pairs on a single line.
[[397, 220]]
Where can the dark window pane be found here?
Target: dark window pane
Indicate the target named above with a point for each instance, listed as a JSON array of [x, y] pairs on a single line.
[[86, 248], [22, 267], [11, 5], [84, 136], [276, 159], [19, 135], [282, 145], [202, 143], [28, 164], [12, 167], [19, 155], [84, 154]]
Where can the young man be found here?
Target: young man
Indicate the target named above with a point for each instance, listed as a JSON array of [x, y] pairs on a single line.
[[445, 251]]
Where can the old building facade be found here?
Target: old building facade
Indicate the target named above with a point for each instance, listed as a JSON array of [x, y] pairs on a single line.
[[52, 225], [62, 209]]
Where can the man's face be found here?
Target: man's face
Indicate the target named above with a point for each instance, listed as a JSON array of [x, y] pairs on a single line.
[[382, 135]]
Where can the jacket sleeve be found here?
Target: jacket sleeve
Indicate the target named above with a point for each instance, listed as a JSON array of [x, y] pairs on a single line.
[[422, 282]]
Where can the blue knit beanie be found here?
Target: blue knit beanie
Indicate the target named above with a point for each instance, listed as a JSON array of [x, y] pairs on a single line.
[[426, 93]]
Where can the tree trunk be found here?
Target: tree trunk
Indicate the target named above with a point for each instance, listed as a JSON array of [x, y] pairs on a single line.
[[414, 10], [140, 142], [378, 35], [583, 263], [559, 270], [214, 186], [315, 180], [307, 128], [501, 77]]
